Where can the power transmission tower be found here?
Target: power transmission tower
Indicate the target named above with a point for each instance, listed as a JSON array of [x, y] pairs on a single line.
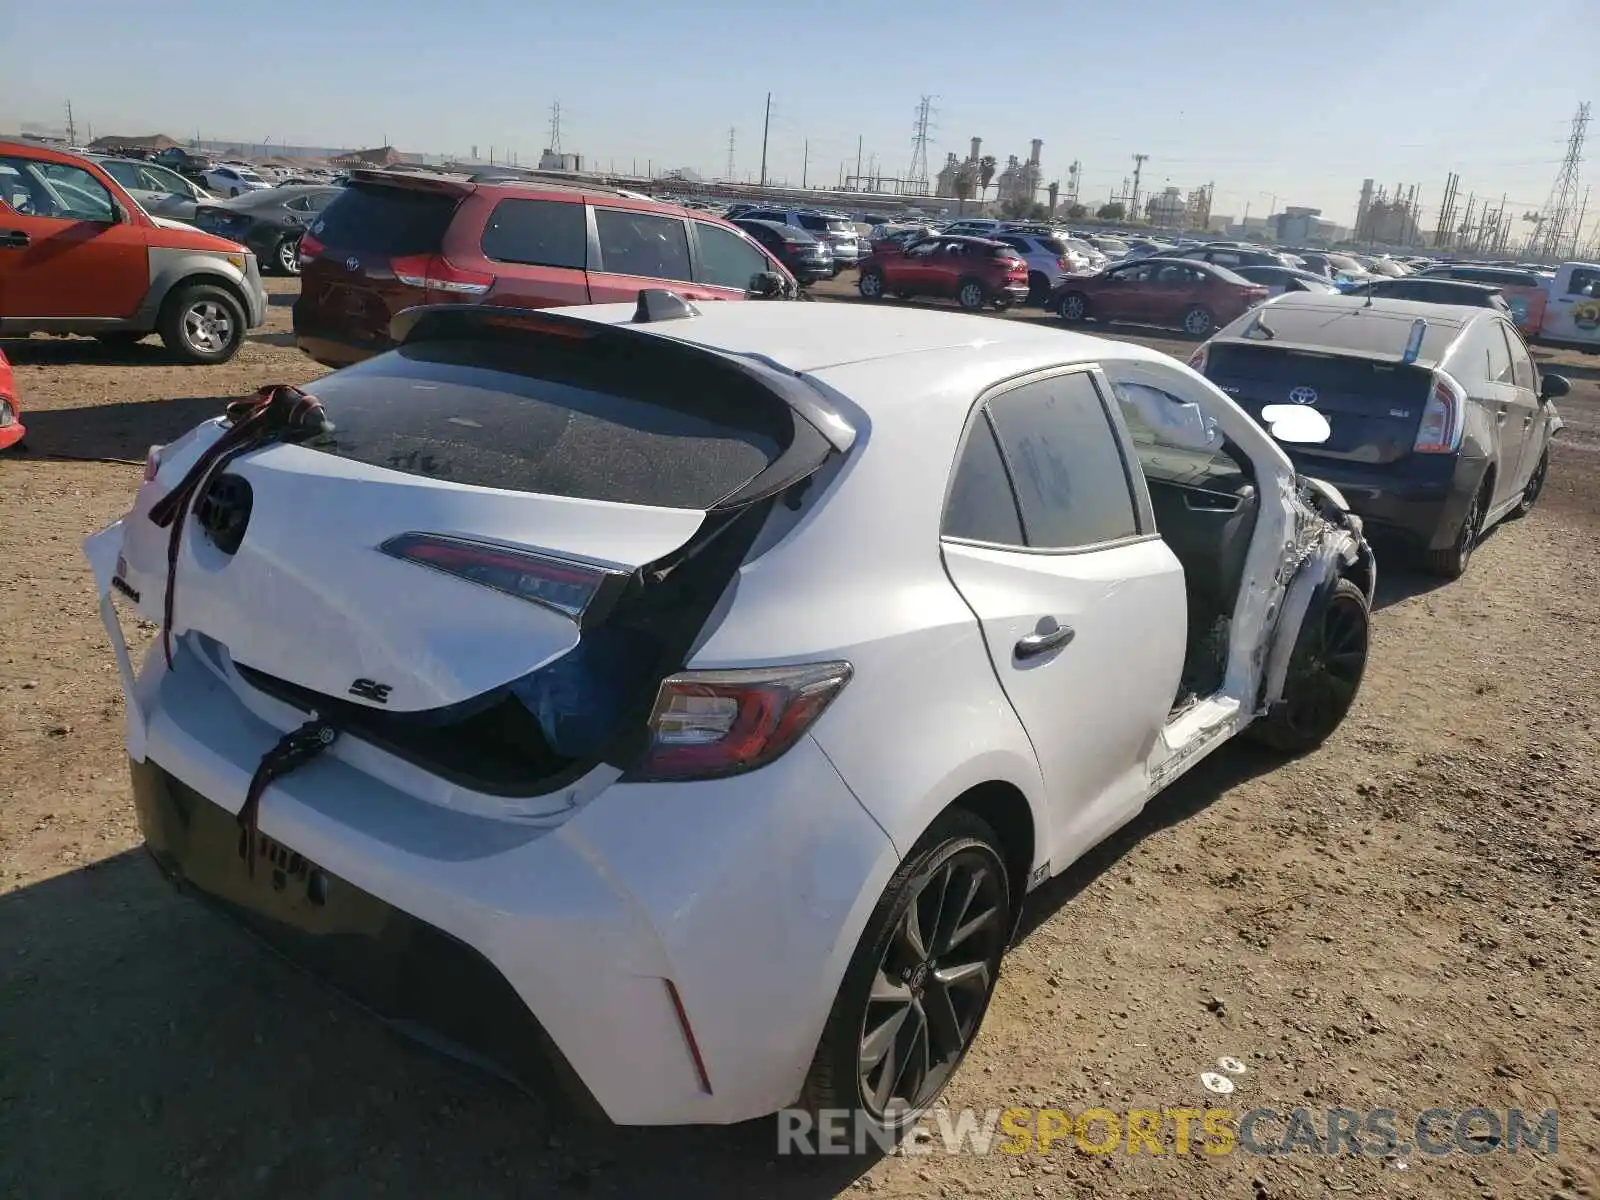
[[1558, 208], [1447, 211], [730, 153], [1138, 167], [917, 177], [555, 128], [766, 124], [72, 130]]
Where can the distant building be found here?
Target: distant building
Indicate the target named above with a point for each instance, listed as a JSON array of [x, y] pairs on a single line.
[[1020, 181], [945, 184], [1171, 207], [153, 141], [550, 160]]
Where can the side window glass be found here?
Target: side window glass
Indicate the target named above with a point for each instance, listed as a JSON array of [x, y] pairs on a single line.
[[1071, 483], [982, 506], [537, 233], [726, 259], [644, 244], [65, 192], [1499, 355], [1176, 442], [1584, 283], [1522, 372]]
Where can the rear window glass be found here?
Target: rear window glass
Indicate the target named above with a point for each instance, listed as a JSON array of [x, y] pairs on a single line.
[[559, 420], [1053, 246], [537, 233], [390, 221], [1377, 382]]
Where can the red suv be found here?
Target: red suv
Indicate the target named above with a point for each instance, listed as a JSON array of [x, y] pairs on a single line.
[[976, 271], [395, 240]]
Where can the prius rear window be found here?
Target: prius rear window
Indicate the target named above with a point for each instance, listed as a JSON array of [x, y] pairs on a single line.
[[560, 422]]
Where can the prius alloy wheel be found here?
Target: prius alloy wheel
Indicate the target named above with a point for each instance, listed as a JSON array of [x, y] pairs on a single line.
[[921, 979]]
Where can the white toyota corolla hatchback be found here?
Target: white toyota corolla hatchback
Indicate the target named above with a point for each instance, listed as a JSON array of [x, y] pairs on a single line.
[[688, 698]]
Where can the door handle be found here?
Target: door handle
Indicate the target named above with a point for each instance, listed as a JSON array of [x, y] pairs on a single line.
[[1045, 641], [14, 239]]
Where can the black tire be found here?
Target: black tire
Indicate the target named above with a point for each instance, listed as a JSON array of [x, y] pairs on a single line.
[[286, 255], [971, 294], [1073, 307], [1534, 487], [1325, 670], [202, 323], [894, 988], [1451, 562], [1038, 288], [1199, 323], [871, 284]]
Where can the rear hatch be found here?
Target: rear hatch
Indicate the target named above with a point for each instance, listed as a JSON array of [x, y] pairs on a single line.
[[497, 552], [367, 257], [221, 220], [840, 234], [1374, 406]]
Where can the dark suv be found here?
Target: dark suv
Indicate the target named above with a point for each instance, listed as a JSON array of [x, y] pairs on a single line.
[[393, 241]]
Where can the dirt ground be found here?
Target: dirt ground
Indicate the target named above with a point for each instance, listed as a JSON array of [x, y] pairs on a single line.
[[1408, 918]]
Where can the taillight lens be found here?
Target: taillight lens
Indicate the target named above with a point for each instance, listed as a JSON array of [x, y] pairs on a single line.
[[1441, 427], [8, 415], [152, 463], [437, 275], [309, 248], [569, 587], [1197, 360], [708, 724]]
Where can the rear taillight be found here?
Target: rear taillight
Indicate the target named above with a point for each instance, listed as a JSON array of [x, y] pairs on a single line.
[[569, 587], [436, 274], [1256, 295], [1197, 360], [1061, 263], [309, 248], [707, 724], [152, 463], [8, 415], [1441, 426]]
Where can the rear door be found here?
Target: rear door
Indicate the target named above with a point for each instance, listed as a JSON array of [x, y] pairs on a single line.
[[1525, 376], [65, 251], [1082, 605], [537, 250], [636, 249], [1514, 408]]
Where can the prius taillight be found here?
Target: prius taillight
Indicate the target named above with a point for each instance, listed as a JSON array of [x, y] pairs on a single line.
[[1440, 430], [574, 589]]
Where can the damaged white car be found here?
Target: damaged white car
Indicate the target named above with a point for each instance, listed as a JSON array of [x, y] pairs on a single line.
[[689, 698]]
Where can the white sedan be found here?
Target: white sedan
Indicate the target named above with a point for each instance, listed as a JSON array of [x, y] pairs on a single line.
[[690, 698], [230, 179]]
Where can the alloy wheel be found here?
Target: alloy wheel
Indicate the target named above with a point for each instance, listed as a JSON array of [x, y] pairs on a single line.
[[1072, 307], [1197, 322], [1471, 528], [932, 984], [207, 327], [871, 285], [1324, 680], [1535, 485], [289, 255], [971, 296]]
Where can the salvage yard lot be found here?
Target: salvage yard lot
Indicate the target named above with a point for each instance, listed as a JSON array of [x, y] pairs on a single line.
[[1408, 918]]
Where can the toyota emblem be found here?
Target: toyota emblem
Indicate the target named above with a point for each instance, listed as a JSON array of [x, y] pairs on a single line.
[[1303, 395], [354, 264]]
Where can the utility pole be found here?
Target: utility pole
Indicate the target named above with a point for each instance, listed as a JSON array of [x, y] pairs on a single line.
[[858, 160], [805, 164], [766, 124], [1138, 167], [72, 130], [730, 153]]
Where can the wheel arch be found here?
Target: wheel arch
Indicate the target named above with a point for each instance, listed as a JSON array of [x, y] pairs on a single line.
[[1001, 805], [182, 270]]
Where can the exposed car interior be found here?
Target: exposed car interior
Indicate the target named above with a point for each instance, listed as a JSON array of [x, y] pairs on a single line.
[[1206, 503]]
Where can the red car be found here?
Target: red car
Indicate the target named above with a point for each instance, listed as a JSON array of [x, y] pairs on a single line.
[[1196, 297], [11, 430], [394, 240], [975, 271]]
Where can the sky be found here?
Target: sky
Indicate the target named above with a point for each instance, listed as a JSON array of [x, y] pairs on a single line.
[[1265, 99]]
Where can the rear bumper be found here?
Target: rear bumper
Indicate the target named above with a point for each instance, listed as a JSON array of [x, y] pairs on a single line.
[[11, 434], [1016, 293], [1425, 507], [557, 939], [335, 352]]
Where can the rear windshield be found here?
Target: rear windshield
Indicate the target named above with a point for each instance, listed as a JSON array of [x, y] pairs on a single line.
[[1375, 382], [1053, 245], [390, 221], [830, 224], [559, 421]]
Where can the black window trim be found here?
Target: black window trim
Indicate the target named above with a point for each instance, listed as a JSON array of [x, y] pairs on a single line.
[[1138, 496]]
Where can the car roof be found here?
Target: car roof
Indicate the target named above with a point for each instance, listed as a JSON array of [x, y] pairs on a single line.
[[813, 337], [1359, 326]]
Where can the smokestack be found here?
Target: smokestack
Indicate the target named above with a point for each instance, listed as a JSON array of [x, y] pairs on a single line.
[[1038, 145], [977, 145]]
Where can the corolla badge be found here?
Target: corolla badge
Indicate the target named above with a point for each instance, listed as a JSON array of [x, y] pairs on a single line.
[[1303, 395], [352, 263]]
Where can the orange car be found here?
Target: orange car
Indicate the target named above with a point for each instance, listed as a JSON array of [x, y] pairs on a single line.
[[1524, 291], [78, 255], [11, 430]]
